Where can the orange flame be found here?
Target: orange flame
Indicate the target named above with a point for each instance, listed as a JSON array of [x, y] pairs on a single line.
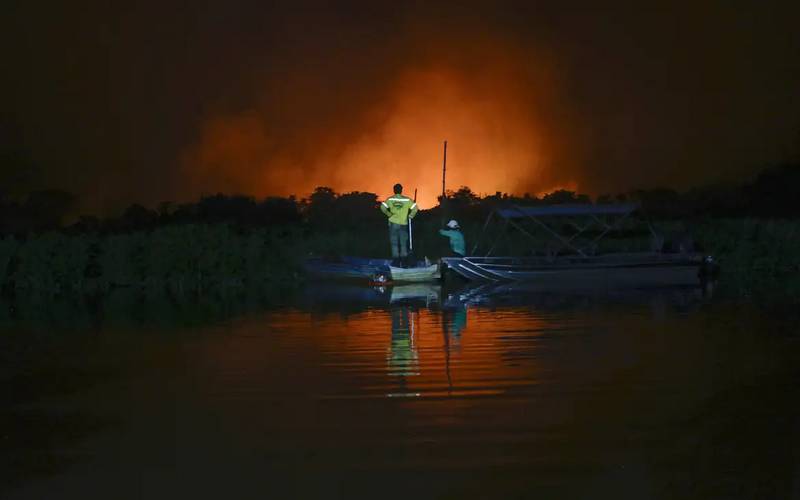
[[497, 141]]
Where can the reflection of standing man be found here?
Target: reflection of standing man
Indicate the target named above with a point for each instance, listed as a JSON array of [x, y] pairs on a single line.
[[403, 357], [399, 209]]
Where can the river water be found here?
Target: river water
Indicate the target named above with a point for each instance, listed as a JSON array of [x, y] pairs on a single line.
[[405, 392]]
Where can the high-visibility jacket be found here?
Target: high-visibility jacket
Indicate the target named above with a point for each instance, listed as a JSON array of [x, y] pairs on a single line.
[[399, 208]]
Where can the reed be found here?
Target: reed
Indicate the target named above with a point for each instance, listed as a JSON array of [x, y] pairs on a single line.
[[191, 258], [221, 258]]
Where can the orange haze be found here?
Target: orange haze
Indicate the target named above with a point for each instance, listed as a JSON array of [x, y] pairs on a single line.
[[497, 116]]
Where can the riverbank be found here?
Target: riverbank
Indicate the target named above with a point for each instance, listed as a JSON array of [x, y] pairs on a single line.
[[754, 254], [757, 256]]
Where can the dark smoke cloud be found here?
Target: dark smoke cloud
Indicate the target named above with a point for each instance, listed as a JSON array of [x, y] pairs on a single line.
[[158, 102]]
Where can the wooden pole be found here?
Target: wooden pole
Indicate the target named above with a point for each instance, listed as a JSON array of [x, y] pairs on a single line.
[[444, 170]]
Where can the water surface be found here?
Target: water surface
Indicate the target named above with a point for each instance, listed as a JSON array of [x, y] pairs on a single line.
[[349, 392]]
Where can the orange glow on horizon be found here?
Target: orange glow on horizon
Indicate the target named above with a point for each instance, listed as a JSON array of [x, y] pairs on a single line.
[[496, 142], [491, 147], [569, 186]]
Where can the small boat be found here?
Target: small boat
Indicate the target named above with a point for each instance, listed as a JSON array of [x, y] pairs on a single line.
[[379, 271], [573, 260]]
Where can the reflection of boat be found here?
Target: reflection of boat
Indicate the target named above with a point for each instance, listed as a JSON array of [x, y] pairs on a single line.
[[572, 260], [354, 296], [521, 293], [417, 291], [369, 269], [342, 295]]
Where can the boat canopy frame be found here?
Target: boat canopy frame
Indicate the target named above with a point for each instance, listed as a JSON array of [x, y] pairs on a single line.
[[606, 217]]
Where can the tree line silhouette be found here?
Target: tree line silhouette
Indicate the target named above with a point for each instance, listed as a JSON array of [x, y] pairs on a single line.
[[232, 242], [774, 193]]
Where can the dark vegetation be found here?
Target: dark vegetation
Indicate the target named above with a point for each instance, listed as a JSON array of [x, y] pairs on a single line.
[[223, 243]]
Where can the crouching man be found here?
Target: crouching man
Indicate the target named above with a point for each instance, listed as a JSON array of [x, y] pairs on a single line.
[[458, 247]]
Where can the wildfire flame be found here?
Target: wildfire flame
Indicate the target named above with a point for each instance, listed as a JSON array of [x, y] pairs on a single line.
[[500, 138]]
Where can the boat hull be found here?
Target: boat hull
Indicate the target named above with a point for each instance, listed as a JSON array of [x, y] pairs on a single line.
[[632, 270]]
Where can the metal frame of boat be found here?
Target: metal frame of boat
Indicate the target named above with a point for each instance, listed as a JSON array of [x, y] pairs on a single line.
[[580, 267]]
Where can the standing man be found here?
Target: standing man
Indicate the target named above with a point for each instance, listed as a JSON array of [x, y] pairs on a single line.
[[399, 209]]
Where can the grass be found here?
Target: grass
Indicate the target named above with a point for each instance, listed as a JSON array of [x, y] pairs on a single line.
[[205, 258], [754, 254], [181, 259]]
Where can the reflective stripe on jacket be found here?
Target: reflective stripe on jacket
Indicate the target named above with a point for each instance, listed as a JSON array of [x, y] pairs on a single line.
[[399, 208]]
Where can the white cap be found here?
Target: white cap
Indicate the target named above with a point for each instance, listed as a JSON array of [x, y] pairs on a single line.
[[452, 224]]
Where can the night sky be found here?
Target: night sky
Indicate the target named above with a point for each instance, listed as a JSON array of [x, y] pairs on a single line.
[[160, 101]]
